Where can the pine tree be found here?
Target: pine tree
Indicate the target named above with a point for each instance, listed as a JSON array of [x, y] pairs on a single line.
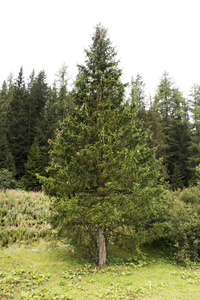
[[64, 102], [30, 108], [102, 172], [37, 107], [173, 110], [194, 147], [6, 95], [37, 99], [17, 125], [6, 158], [157, 139], [4, 103], [32, 167], [137, 94], [164, 99]]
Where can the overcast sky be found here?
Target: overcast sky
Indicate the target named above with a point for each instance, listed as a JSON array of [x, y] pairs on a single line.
[[150, 36]]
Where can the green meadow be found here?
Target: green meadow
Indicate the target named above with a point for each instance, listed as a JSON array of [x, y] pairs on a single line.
[[47, 270], [37, 265]]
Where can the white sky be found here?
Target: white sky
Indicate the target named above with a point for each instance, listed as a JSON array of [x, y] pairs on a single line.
[[151, 36]]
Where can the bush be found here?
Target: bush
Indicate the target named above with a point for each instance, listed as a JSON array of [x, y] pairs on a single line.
[[181, 216]]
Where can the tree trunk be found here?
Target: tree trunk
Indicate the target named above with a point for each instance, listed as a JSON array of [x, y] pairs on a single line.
[[102, 247]]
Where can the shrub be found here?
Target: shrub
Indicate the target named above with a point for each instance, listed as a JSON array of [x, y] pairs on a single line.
[[181, 216]]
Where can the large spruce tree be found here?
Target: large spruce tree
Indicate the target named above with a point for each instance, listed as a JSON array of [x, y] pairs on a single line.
[[102, 173]]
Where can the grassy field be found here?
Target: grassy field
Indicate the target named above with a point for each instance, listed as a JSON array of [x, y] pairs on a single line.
[[33, 265], [49, 271]]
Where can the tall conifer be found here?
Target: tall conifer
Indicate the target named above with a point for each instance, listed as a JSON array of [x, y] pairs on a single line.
[[102, 172], [17, 125]]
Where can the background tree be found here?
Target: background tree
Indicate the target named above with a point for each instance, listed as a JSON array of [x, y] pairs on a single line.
[[173, 110], [7, 164], [194, 147], [5, 98], [6, 158], [102, 172], [33, 166], [7, 179], [64, 101], [157, 138], [37, 105], [17, 125], [137, 95]]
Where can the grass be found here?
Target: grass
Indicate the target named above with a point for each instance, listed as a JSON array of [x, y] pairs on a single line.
[[50, 270], [35, 266]]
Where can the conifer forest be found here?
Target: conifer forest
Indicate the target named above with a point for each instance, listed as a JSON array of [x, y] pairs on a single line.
[[107, 153]]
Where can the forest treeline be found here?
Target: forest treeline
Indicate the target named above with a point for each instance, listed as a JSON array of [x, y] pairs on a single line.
[[31, 111]]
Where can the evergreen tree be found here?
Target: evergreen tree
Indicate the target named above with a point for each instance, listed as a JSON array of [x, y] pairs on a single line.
[[173, 110], [137, 95], [37, 111], [194, 147], [157, 139], [6, 158], [30, 109], [102, 172], [17, 125], [37, 99], [4, 103], [33, 166], [64, 102], [6, 95]]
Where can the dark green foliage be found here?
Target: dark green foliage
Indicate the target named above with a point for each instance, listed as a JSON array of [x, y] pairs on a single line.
[[17, 125], [157, 139], [38, 125], [7, 179], [6, 95], [6, 158], [173, 110], [33, 167], [194, 147], [28, 113]]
